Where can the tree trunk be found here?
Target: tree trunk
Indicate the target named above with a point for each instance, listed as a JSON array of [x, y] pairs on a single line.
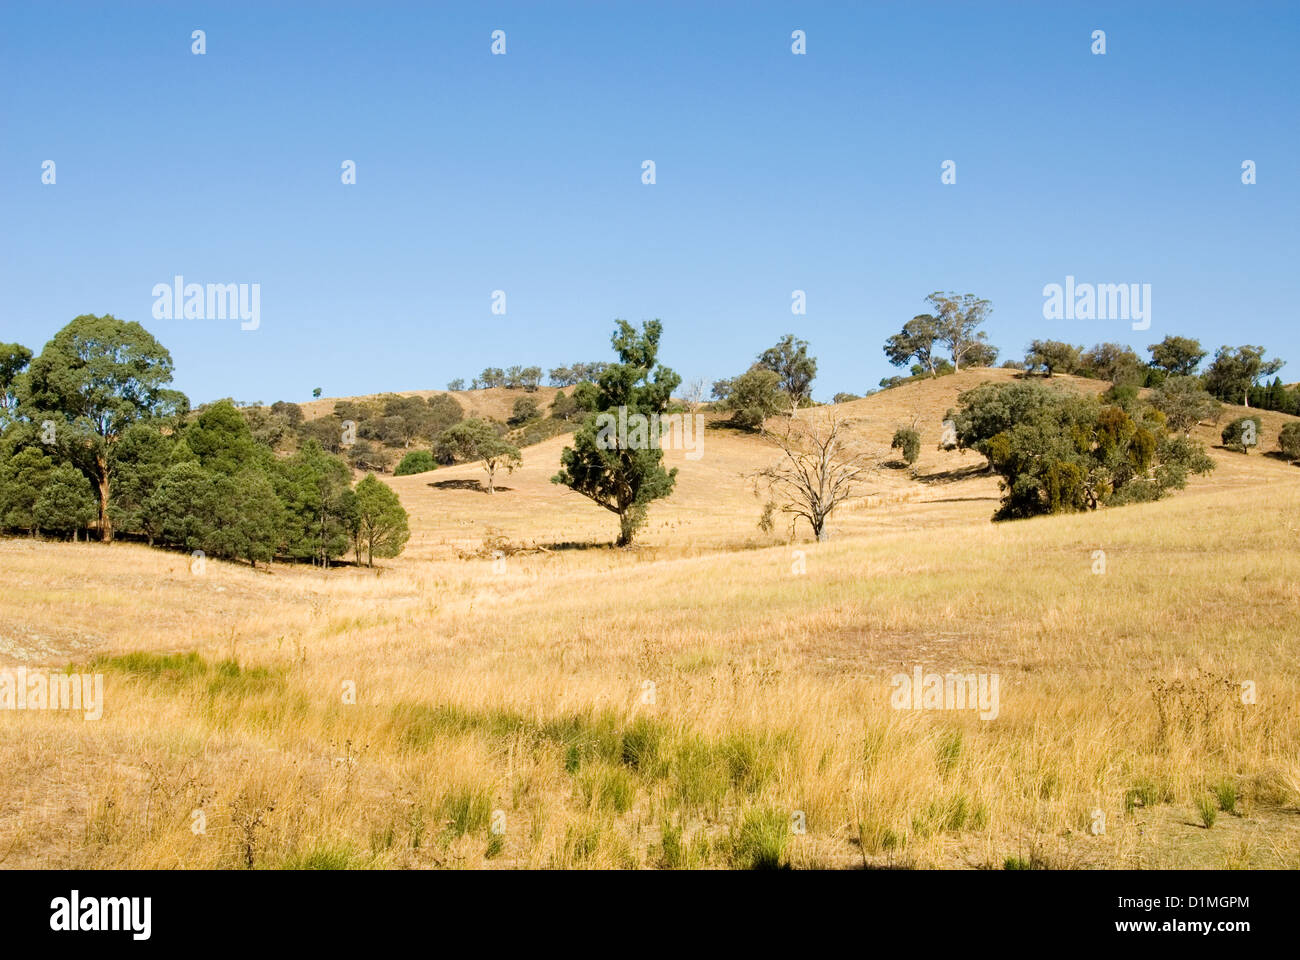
[[626, 529], [105, 523]]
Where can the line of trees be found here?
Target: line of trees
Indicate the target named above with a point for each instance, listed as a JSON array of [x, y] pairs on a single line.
[[529, 378], [92, 434], [1235, 375]]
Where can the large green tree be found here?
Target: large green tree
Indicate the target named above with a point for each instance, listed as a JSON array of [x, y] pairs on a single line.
[[222, 440], [95, 378], [380, 524], [623, 477]]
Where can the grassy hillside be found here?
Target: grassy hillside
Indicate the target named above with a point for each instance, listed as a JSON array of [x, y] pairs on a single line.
[[685, 702], [495, 403]]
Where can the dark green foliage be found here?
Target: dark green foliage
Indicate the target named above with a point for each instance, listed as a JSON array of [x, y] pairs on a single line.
[[1288, 441], [314, 487], [566, 408], [1242, 434], [1177, 356], [417, 461], [22, 476], [1057, 451], [1052, 356], [1275, 396], [14, 358], [619, 478], [754, 396], [790, 361], [66, 503], [95, 378], [918, 340], [524, 411], [908, 441], [221, 439], [1236, 370], [379, 523]]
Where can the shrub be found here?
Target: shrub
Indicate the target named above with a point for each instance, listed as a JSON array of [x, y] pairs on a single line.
[[754, 396], [1288, 441], [417, 461], [1242, 434], [524, 410], [909, 442], [1057, 451]]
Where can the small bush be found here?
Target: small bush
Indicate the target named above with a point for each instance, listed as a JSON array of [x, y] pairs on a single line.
[[909, 442], [1242, 434], [1288, 441], [417, 461]]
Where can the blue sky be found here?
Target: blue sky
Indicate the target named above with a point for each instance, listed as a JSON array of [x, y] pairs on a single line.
[[522, 173]]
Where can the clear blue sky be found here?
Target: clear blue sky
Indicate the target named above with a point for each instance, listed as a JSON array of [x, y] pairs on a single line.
[[523, 173]]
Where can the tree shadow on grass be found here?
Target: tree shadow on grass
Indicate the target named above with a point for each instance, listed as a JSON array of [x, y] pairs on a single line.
[[582, 545], [466, 485], [952, 476]]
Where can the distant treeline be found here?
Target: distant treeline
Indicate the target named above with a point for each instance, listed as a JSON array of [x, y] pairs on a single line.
[[529, 378]]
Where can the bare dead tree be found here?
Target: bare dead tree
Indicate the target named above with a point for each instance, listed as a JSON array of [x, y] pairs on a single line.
[[693, 395], [819, 467]]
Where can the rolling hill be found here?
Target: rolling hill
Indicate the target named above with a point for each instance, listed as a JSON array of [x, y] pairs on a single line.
[[685, 702]]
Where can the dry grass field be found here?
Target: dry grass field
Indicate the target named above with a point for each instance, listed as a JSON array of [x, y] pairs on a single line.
[[715, 697]]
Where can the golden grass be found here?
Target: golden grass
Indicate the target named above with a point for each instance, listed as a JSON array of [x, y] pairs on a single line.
[[695, 702]]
